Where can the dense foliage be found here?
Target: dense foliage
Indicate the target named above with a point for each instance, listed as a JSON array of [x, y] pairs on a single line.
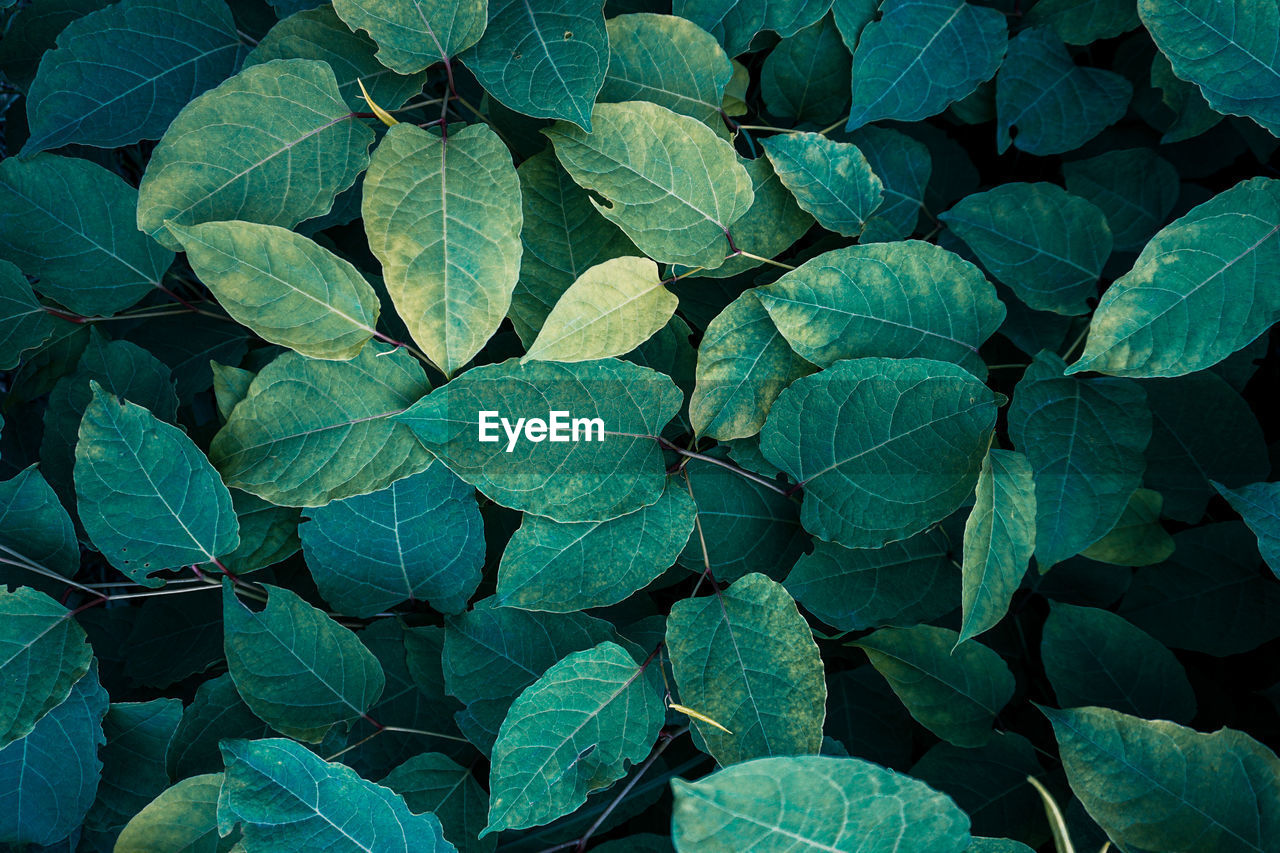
[[753, 425]]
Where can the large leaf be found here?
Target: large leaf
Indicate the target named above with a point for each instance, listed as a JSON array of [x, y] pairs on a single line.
[[70, 223], [314, 431], [1157, 785], [671, 184], [1134, 187], [1049, 246], [918, 56], [745, 657], [1204, 287], [953, 689], [444, 220], [544, 58], [35, 526], [999, 538], [1084, 439], [900, 300], [183, 817], [614, 468], [883, 447], [1259, 506], [1231, 50], [286, 288], [412, 36], [91, 92], [43, 653], [274, 144], [419, 539], [566, 567], [809, 802], [573, 731], [24, 322], [296, 668], [831, 180], [147, 496], [735, 23], [284, 797]]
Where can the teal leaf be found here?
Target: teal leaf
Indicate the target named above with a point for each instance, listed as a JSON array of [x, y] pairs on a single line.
[[268, 534], [147, 496], [543, 58], [215, 714], [999, 538], [806, 77], [1052, 104], [90, 91], [831, 180], [1084, 439], [70, 223], [284, 797], [183, 817], [1259, 506], [990, 784], [24, 321], [419, 539], [34, 525], [413, 36], [745, 657], [904, 165], [1134, 187], [431, 782], [298, 670], [43, 653], [1138, 539], [1084, 21], [919, 56], [736, 23], [882, 447]]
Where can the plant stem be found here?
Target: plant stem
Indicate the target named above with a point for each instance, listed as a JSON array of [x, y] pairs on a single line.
[[21, 561], [729, 466], [412, 350], [1079, 340], [408, 731], [833, 126], [767, 128], [355, 745], [762, 259]]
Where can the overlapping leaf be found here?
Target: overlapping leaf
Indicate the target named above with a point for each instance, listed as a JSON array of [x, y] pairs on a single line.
[[999, 538], [412, 36]]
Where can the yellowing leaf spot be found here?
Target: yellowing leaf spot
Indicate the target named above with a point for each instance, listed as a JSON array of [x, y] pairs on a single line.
[[386, 117], [698, 715]]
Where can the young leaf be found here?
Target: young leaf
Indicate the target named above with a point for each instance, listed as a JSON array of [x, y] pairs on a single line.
[[147, 496], [610, 310], [297, 669], [883, 447], [1259, 506], [816, 803], [573, 731], [413, 36], [446, 228], [182, 817], [43, 653], [746, 658], [24, 323], [419, 539], [999, 538], [274, 144], [1137, 539], [671, 184], [831, 180], [286, 288]]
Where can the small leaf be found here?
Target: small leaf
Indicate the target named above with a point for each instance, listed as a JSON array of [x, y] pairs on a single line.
[[1259, 506], [831, 180], [43, 653], [1137, 539], [999, 538], [24, 322], [35, 526], [413, 36], [904, 165], [182, 817]]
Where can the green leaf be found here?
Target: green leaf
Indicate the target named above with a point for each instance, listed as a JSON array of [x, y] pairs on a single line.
[[919, 56], [274, 144], [831, 180], [1157, 785], [184, 817], [1204, 287], [806, 77], [610, 310], [999, 538], [61, 751], [563, 236], [1094, 657], [284, 797], [164, 623], [446, 229], [573, 731], [35, 526], [419, 539], [70, 223], [24, 321], [1084, 439], [43, 653], [230, 386], [313, 431], [1052, 104], [268, 534], [997, 845], [91, 90], [543, 58], [990, 784], [1134, 187], [617, 471], [434, 783], [745, 658], [903, 584], [904, 165], [744, 362], [669, 61], [1137, 539], [1084, 21], [321, 34], [286, 288], [413, 36], [883, 447], [1192, 113], [670, 183], [1048, 245], [1230, 50], [953, 689], [147, 496], [215, 714], [566, 567], [297, 669], [735, 23], [902, 300], [813, 803], [1259, 506]]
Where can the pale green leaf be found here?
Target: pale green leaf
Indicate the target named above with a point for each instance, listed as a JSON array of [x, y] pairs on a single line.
[[182, 818], [24, 324], [1134, 187], [999, 538], [1259, 506], [1137, 539], [43, 653], [414, 35], [806, 77], [1084, 21], [831, 180], [735, 23], [446, 228]]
